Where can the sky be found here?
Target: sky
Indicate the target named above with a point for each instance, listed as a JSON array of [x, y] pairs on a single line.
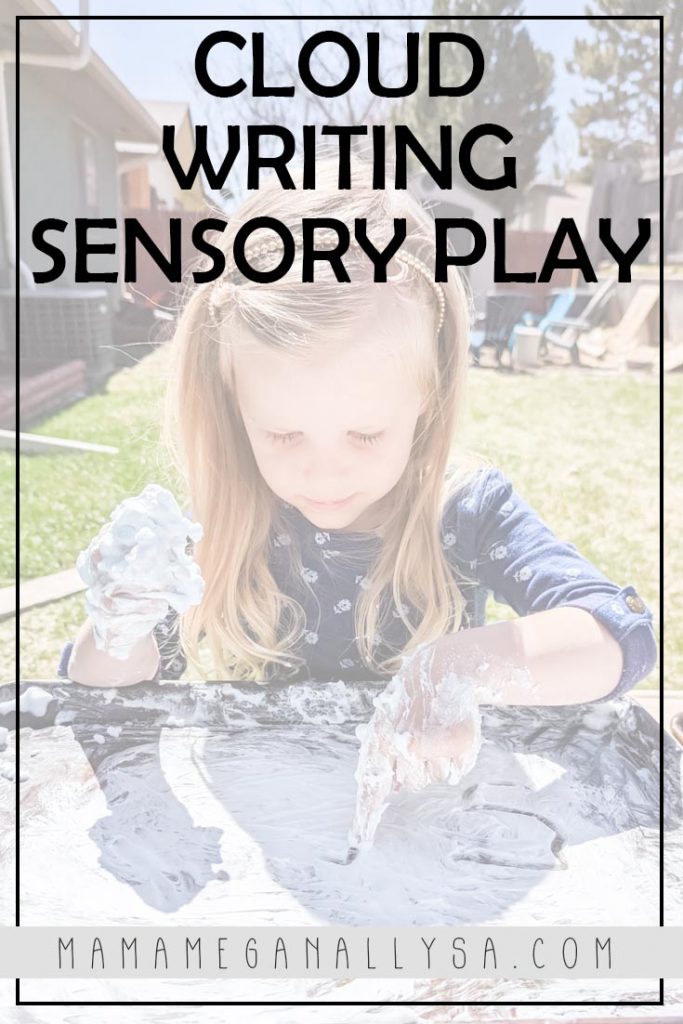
[[163, 69]]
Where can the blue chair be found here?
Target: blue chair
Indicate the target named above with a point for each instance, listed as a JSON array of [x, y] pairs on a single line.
[[559, 309]]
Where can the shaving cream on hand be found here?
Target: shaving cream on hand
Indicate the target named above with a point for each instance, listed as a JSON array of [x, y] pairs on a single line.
[[418, 705], [136, 567]]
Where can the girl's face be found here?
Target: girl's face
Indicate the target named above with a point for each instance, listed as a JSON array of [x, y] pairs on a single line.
[[332, 431]]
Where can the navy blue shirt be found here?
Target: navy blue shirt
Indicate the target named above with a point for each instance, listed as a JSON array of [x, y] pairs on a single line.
[[488, 533]]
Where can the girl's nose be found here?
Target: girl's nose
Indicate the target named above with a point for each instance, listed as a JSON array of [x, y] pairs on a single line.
[[325, 469]]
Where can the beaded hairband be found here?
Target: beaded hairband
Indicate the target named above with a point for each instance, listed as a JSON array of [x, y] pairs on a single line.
[[255, 252]]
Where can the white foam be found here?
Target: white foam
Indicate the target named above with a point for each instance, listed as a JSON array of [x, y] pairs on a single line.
[[136, 567], [34, 701]]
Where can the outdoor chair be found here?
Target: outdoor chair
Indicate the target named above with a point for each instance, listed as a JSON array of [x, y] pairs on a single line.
[[560, 307], [621, 339], [564, 332], [503, 311]]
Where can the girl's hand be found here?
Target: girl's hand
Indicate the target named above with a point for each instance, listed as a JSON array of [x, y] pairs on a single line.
[[431, 728], [136, 567], [426, 728], [123, 613]]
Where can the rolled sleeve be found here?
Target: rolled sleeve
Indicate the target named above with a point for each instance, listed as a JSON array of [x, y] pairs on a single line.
[[521, 561], [172, 660], [629, 620], [64, 660]]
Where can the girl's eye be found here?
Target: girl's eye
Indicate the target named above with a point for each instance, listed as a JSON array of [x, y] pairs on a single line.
[[282, 438], [285, 438]]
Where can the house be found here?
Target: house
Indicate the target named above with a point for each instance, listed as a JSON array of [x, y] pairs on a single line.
[[151, 194], [147, 181], [73, 110], [544, 205]]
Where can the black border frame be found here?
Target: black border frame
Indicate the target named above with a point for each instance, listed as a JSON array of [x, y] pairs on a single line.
[[328, 17]]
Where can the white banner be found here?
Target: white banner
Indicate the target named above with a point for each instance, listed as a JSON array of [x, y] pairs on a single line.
[[328, 952]]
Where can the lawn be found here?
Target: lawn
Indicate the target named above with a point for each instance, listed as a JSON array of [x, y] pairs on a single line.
[[581, 447]]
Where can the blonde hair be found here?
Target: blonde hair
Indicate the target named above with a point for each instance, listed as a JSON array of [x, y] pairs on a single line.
[[251, 627]]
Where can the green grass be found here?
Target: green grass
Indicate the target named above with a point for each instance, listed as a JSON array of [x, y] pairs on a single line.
[[67, 497], [580, 447]]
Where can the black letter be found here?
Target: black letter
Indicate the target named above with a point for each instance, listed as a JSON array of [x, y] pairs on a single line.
[[258, 87], [160, 947], [489, 947], [333, 256], [344, 133], [624, 258], [83, 224], [316, 947], [134, 232], [202, 57], [341, 944], [442, 258], [133, 944], [607, 944], [507, 178], [193, 945], [576, 952], [533, 953], [499, 271], [429, 951], [280, 948], [349, 79], [412, 64], [200, 157], [380, 259], [69, 945], [278, 163], [241, 239], [567, 229], [435, 86], [97, 948], [201, 245], [443, 176], [58, 258]]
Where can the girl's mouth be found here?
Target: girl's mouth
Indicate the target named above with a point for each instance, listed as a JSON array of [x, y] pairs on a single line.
[[330, 504]]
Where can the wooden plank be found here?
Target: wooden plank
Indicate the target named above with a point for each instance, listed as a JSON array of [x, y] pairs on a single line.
[[673, 357], [41, 444], [41, 590]]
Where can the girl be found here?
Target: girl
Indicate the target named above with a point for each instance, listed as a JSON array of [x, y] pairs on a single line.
[[315, 425]]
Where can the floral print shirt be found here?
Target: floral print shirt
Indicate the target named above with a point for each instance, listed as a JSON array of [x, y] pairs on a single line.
[[489, 534]]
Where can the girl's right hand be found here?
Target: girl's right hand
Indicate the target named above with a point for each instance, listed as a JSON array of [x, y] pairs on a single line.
[[138, 566], [90, 666], [122, 614]]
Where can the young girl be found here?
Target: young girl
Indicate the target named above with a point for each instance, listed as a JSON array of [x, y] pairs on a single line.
[[315, 425]]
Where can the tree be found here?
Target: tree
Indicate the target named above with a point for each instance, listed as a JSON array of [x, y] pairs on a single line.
[[620, 65], [514, 93]]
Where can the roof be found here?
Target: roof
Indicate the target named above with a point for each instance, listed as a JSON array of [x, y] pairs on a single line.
[[167, 111], [118, 111]]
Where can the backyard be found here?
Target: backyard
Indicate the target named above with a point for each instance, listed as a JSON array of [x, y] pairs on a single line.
[[580, 446]]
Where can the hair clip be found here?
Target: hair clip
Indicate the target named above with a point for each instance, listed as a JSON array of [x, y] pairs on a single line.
[[253, 254]]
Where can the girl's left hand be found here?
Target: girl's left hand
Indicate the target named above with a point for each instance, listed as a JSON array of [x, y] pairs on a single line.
[[431, 721], [426, 728]]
